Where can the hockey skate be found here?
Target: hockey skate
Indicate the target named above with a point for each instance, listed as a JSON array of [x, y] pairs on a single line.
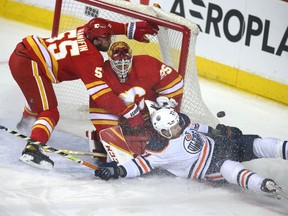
[[269, 186], [33, 156]]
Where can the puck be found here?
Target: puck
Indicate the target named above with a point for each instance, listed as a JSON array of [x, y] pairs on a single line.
[[221, 114]]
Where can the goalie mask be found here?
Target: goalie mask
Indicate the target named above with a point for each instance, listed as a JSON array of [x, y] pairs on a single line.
[[120, 57], [163, 120], [98, 28]]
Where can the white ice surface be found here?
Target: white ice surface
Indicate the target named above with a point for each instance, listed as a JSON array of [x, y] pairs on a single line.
[[71, 189]]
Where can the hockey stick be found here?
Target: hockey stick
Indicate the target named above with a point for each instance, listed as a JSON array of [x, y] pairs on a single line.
[[51, 149], [93, 154]]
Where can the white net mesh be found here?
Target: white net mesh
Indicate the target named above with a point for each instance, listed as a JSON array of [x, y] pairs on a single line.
[[166, 46]]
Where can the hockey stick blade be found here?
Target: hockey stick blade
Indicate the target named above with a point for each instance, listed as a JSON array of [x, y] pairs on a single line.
[[51, 149], [2, 127]]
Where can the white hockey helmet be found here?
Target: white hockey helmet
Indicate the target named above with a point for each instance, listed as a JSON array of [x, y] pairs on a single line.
[[163, 120], [120, 57]]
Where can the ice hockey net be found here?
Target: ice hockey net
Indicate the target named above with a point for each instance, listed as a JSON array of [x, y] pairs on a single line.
[[174, 45]]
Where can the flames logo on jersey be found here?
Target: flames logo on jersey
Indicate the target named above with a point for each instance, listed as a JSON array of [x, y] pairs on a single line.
[[193, 142]]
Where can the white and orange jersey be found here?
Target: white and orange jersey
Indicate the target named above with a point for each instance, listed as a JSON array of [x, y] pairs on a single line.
[[187, 156]]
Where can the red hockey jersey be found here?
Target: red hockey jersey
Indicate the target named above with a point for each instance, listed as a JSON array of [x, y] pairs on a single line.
[[148, 79], [71, 56]]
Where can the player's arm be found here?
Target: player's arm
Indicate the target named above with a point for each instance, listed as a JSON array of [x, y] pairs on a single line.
[[135, 30], [106, 99], [170, 83], [131, 169], [229, 131], [221, 129]]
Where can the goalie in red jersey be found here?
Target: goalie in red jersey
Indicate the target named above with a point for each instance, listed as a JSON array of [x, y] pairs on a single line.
[[134, 79], [37, 63]]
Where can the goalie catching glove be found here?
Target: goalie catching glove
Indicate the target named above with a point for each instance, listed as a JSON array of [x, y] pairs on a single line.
[[137, 30]]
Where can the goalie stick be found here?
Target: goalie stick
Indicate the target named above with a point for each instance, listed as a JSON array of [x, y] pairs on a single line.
[[51, 149]]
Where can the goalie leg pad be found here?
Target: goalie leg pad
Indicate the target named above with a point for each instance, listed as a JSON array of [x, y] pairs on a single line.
[[95, 144]]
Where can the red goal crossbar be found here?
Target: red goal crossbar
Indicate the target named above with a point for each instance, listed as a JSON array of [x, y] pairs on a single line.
[[186, 33]]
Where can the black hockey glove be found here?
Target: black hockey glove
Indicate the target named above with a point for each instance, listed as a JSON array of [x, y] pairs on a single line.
[[107, 171], [230, 132]]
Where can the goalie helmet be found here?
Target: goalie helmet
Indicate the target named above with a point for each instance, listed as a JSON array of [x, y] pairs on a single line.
[[98, 28], [163, 120], [120, 57]]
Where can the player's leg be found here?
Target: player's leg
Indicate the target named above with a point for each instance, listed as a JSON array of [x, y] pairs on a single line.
[[235, 173], [28, 119], [41, 99], [250, 147], [270, 148], [243, 149]]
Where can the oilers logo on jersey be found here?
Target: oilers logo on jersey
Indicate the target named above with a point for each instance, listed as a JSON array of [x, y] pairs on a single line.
[[193, 142]]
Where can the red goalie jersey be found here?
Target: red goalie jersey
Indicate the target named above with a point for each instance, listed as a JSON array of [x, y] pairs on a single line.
[[148, 79]]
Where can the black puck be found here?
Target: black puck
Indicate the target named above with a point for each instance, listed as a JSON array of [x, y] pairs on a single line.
[[221, 114]]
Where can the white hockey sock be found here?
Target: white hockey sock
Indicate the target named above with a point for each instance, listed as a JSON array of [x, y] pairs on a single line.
[[235, 173], [270, 148]]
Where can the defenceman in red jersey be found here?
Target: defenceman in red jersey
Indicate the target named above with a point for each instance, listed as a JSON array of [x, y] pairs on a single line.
[[37, 63], [180, 148], [134, 79]]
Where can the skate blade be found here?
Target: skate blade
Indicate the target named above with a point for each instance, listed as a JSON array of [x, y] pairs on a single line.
[[280, 193], [28, 159]]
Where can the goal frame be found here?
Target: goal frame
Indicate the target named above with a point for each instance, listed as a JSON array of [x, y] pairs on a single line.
[[186, 32], [183, 36]]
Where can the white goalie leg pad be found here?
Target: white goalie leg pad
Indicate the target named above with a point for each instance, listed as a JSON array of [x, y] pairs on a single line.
[[270, 148], [91, 140], [235, 173]]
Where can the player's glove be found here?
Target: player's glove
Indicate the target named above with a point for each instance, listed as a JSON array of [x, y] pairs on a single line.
[[107, 171], [134, 117], [230, 132], [166, 102], [137, 30]]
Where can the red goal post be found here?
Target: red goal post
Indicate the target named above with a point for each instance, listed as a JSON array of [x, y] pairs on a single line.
[[174, 45]]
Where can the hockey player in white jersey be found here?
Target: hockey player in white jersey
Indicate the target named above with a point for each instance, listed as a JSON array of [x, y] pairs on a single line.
[[202, 156]]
